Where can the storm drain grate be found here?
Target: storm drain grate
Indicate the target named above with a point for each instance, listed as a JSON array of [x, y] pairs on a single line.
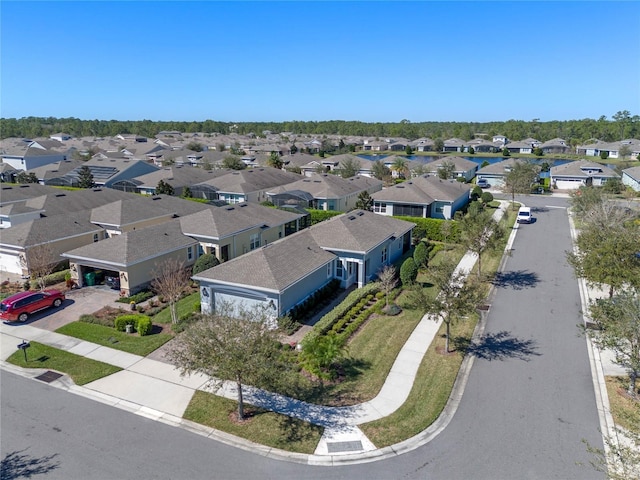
[[49, 376], [336, 447]]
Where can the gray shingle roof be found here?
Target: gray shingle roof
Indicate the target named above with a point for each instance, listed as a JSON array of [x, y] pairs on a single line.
[[275, 266], [358, 231], [126, 212], [47, 229], [582, 168], [324, 186], [423, 190], [135, 246], [252, 180], [221, 222]]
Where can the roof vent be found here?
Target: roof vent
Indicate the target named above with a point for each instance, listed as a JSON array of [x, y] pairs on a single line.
[[351, 217], [360, 214]]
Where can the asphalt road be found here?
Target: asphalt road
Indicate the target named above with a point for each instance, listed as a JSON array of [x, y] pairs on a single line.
[[527, 407]]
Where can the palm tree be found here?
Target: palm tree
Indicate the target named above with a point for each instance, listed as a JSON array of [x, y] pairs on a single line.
[[401, 167]]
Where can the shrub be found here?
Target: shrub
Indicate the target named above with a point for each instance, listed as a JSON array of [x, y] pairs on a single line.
[[122, 321], [421, 255], [137, 298], [408, 272], [433, 251], [288, 325], [107, 322], [57, 277], [318, 216], [144, 325], [432, 228], [205, 262], [486, 197]]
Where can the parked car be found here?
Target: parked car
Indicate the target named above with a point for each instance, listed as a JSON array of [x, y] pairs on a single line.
[[18, 307], [524, 215], [482, 183]]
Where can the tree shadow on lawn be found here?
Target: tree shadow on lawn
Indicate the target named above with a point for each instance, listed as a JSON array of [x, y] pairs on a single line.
[[516, 279], [497, 346]]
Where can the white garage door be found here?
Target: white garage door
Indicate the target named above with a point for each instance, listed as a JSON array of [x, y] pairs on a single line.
[[238, 303], [10, 263], [568, 184]]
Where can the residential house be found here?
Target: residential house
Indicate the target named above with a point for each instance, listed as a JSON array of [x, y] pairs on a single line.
[[423, 144], [56, 234], [27, 154], [480, 145], [555, 145], [241, 186], [631, 178], [133, 256], [233, 230], [324, 191], [105, 171], [495, 173], [454, 145], [461, 167], [351, 247], [572, 175], [176, 176], [525, 146], [423, 196]]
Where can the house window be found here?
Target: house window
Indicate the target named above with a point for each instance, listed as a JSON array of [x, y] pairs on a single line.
[[329, 269], [254, 241], [380, 207], [189, 253], [95, 237], [440, 209], [339, 269], [383, 258]]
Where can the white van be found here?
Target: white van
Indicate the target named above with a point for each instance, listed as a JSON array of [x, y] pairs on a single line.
[[524, 215]]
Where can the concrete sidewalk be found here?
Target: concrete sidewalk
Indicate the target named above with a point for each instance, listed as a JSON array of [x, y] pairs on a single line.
[[157, 390]]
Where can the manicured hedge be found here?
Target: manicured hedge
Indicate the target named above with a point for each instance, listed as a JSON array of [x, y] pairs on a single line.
[[318, 216], [141, 323], [54, 278], [325, 324], [432, 228]]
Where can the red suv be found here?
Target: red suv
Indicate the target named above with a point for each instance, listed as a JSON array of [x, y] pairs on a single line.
[[18, 307]]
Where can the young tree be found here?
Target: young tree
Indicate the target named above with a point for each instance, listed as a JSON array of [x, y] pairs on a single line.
[[380, 171], [85, 177], [233, 162], [617, 321], [506, 152], [293, 149], [456, 298], [438, 145], [171, 279], [520, 179], [238, 348], [195, 146], [408, 272], [39, 261], [349, 167], [205, 262], [24, 177], [421, 254], [401, 167], [479, 232], [621, 458], [408, 150], [163, 188], [388, 281], [275, 161], [186, 193], [446, 170], [606, 247], [365, 202]]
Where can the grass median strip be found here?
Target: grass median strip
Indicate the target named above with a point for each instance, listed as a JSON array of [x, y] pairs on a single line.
[[263, 427], [82, 370], [110, 337]]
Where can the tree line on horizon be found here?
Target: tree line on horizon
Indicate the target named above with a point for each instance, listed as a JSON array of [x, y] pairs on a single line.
[[621, 125]]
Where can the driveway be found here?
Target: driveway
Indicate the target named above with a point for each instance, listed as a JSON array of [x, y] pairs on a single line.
[[78, 302]]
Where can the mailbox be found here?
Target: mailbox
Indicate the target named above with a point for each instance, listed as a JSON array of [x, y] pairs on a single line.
[[23, 346]]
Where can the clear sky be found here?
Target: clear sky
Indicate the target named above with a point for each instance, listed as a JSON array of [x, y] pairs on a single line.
[[296, 60]]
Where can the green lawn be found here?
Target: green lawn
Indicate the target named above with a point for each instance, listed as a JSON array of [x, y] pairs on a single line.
[[110, 337], [625, 411], [265, 428], [82, 370], [185, 305]]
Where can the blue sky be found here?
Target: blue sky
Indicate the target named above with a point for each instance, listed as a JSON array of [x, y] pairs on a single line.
[[277, 61]]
